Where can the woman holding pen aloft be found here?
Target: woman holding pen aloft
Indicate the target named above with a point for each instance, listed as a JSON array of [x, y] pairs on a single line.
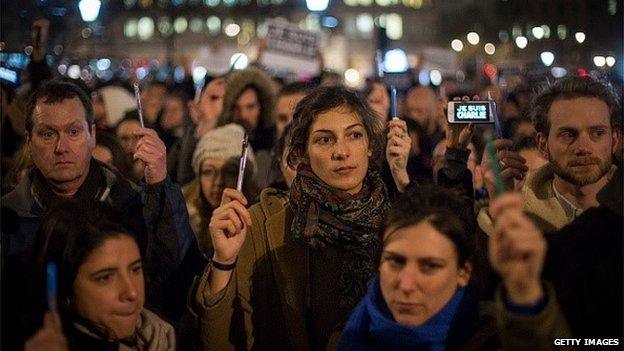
[[287, 272]]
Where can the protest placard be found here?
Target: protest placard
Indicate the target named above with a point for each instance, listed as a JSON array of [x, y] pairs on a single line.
[[290, 49]]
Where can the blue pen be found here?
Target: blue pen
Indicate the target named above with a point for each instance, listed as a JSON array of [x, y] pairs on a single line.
[[51, 286], [393, 102]]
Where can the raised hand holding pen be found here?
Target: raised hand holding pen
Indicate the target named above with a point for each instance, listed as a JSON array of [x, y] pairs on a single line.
[[242, 164], [398, 146], [228, 230], [153, 153]]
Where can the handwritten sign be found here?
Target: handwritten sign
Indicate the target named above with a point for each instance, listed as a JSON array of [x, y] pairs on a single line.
[[290, 49]]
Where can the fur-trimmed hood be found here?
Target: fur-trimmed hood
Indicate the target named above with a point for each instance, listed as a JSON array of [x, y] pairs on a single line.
[[237, 82]]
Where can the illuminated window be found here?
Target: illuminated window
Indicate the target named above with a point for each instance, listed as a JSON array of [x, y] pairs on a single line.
[[562, 31], [516, 31], [364, 23], [612, 7], [130, 29], [180, 24], [351, 2], [365, 2], [211, 3], [145, 28], [229, 3], [529, 31], [196, 25], [394, 26], [145, 3], [164, 26], [214, 25], [503, 36], [546, 30], [230, 28], [416, 4], [383, 3], [312, 22]]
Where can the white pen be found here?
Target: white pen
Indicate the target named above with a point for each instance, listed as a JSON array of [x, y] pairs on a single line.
[[242, 164], [137, 94], [198, 91], [393, 102]]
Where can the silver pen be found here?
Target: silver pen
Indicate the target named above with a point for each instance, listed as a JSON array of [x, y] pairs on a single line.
[[137, 94], [242, 164]]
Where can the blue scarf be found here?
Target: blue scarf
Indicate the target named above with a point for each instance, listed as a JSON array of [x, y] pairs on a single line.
[[371, 326]]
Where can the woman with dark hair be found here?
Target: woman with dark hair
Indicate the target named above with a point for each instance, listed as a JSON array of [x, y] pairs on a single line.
[[286, 273], [425, 297], [100, 285]]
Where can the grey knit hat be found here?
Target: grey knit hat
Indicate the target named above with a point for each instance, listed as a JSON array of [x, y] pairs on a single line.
[[221, 143]]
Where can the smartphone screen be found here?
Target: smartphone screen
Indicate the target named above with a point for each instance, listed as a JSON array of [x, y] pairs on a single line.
[[471, 112]]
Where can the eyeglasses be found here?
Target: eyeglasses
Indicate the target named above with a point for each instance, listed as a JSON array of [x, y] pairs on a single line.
[[211, 173]]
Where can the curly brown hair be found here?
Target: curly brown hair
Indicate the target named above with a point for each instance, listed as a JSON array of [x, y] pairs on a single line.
[[323, 99]]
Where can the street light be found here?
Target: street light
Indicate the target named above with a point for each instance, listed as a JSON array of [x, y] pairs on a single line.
[[547, 58], [317, 5], [600, 61], [521, 42], [489, 48], [457, 45], [538, 32], [473, 38], [89, 9], [610, 60], [580, 37], [395, 61], [435, 77]]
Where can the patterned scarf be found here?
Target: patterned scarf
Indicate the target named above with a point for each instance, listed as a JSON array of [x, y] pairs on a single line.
[[326, 216]]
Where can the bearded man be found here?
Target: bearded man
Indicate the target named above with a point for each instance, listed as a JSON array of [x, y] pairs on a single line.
[[575, 119]]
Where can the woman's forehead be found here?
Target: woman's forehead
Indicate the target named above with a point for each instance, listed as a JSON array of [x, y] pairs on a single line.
[[416, 238], [213, 161], [336, 119]]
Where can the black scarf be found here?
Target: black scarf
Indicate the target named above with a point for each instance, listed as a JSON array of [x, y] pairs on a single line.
[[327, 216], [90, 188]]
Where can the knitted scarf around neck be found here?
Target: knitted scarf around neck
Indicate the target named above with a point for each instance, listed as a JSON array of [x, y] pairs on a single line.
[[151, 334], [372, 327], [327, 216]]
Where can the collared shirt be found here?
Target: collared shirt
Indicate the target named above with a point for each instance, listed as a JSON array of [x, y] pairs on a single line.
[[570, 209]]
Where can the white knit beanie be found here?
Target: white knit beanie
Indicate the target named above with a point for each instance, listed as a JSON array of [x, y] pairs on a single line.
[[221, 143]]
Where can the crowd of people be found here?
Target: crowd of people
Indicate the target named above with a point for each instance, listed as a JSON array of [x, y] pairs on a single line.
[[354, 229]]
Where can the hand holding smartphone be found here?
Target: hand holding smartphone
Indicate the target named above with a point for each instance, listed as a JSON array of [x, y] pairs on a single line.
[[483, 112]]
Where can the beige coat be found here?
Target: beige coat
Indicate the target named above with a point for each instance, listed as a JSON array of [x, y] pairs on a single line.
[[540, 203], [263, 306]]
